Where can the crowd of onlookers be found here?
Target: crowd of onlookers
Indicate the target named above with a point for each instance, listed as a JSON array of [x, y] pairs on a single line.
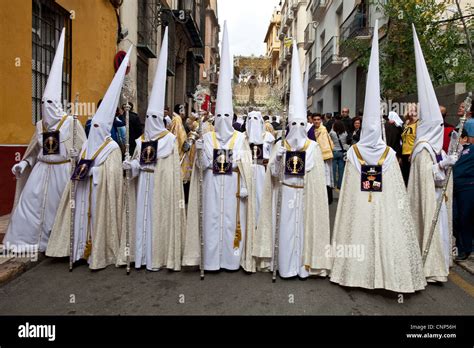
[[343, 131]]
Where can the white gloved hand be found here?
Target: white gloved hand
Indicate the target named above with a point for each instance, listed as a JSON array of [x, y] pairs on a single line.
[[127, 165], [449, 161], [91, 171], [73, 153], [243, 192], [19, 168], [199, 144], [281, 151]]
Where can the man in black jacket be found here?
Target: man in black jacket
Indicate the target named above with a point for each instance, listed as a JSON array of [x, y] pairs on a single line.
[[276, 125], [136, 127], [346, 119]]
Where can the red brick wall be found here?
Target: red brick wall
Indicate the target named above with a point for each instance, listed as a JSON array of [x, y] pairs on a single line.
[[8, 155]]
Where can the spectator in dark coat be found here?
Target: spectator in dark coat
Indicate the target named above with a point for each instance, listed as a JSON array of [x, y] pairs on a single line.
[[463, 205], [346, 119], [356, 124], [393, 132], [136, 127], [275, 124]]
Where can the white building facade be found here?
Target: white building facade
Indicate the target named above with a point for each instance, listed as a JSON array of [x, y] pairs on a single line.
[[293, 23], [335, 79]]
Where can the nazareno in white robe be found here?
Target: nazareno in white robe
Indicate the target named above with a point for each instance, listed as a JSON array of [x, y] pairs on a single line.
[[157, 211], [219, 211], [40, 188], [259, 171], [374, 243], [304, 229], [103, 189], [424, 189]]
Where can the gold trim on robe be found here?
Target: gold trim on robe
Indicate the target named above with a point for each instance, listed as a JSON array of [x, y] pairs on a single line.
[[325, 142]]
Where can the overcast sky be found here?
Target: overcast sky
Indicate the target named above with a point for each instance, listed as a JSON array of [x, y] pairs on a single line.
[[247, 23]]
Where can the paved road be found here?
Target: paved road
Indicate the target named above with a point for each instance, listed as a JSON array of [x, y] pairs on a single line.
[[49, 289]]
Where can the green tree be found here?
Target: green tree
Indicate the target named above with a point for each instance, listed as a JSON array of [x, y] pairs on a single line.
[[443, 42]]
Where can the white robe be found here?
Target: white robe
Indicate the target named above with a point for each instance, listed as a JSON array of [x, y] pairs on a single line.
[[328, 173], [424, 189], [37, 201], [259, 171], [160, 217], [374, 243], [219, 211], [103, 189], [303, 234]]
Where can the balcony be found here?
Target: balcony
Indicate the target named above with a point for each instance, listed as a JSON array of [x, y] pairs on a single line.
[[189, 25], [315, 75], [282, 60], [318, 8], [288, 18], [213, 78], [215, 46], [287, 52], [356, 26], [293, 4], [198, 53], [283, 26], [148, 16], [331, 62], [282, 64], [282, 32], [309, 34]]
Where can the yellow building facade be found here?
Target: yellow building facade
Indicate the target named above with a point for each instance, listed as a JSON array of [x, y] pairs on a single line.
[[273, 45], [93, 44]]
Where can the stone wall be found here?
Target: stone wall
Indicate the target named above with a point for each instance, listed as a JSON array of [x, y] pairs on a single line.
[[449, 95]]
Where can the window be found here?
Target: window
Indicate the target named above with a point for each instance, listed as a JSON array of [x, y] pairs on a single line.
[[149, 20], [48, 21], [148, 24]]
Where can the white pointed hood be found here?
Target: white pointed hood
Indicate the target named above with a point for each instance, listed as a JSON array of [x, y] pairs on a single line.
[[430, 128], [255, 127], [224, 111], [371, 144], [51, 106], [297, 121], [101, 123], [154, 123]]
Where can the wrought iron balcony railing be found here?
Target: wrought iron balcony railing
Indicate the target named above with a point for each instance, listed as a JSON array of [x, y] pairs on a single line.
[[356, 25], [330, 53]]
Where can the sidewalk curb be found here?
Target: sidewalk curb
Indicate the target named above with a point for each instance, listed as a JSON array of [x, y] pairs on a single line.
[[467, 265], [15, 267]]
